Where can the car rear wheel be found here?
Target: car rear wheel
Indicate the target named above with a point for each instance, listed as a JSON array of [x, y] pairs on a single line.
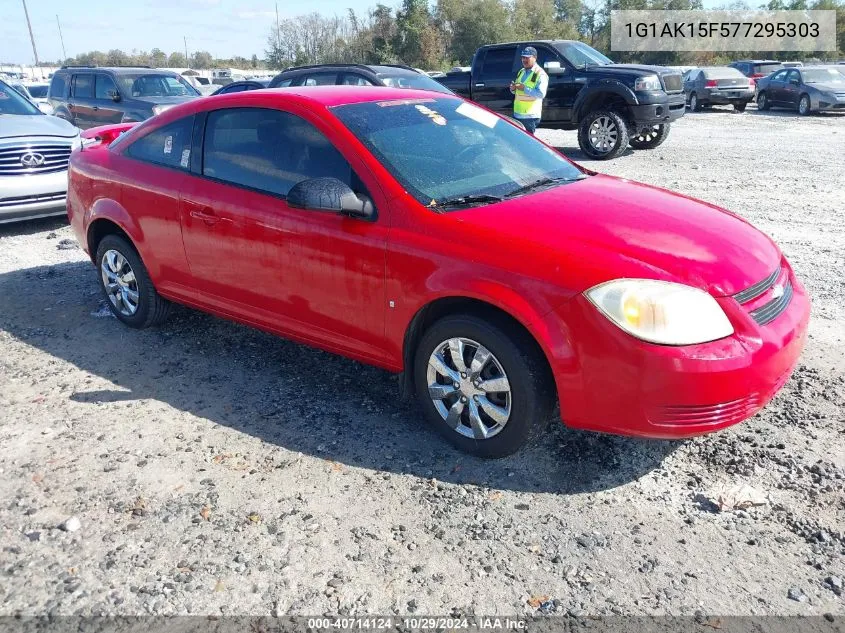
[[763, 101], [740, 106], [694, 103], [804, 105], [129, 292], [602, 134], [651, 138], [485, 391]]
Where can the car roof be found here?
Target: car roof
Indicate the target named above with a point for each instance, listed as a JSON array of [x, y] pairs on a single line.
[[329, 96], [374, 68], [120, 70]]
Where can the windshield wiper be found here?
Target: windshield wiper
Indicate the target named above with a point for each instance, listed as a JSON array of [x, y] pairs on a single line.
[[464, 201], [542, 182]]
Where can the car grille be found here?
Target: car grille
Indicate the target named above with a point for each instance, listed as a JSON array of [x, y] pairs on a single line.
[[34, 159], [710, 414], [673, 83], [779, 286], [44, 197]]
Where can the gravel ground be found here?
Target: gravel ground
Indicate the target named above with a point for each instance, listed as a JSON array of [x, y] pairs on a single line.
[[208, 468]]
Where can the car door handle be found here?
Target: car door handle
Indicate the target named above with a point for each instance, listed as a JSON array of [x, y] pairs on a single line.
[[207, 216], [479, 85], [95, 108]]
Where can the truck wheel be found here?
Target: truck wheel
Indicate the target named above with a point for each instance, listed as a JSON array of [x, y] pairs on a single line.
[[602, 134], [651, 138]]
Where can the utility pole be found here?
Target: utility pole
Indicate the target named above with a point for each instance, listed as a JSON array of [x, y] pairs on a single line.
[[31, 38], [64, 54], [187, 61], [278, 32]]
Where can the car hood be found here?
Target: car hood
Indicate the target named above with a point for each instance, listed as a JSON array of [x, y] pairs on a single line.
[[606, 228], [828, 87], [164, 100], [17, 125], [631, 69]]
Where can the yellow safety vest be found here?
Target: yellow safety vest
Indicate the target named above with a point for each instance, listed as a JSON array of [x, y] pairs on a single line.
[[523, 104]]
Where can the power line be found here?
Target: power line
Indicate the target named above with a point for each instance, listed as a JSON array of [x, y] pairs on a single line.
[[64, 54]]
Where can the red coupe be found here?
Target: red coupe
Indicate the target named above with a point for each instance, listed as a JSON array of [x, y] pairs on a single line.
[[425, 235]]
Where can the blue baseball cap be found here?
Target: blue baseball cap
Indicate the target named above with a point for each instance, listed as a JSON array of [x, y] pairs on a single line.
[[529, 51]]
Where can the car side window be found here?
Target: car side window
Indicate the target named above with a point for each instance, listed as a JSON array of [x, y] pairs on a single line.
[[83, 86], [321, 79], [793, 76], [105, 86], [283, 84], [779, 76], [352, 79], [269, 151], [499, 62], [169, 145], [58, 86]]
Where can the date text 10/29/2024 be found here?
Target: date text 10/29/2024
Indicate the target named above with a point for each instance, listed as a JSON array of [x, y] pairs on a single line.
[[418, 623]]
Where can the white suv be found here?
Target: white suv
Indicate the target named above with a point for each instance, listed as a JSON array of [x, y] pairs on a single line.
[[34, 153]]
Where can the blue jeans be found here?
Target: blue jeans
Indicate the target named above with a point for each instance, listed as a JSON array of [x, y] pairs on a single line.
[[530, 125]]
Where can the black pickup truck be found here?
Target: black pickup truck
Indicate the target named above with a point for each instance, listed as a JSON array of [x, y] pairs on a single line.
[[611, 105]]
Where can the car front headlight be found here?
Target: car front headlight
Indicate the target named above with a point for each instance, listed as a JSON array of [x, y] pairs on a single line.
[[158, 109], [649, 82], [76, 144], [661, 311]]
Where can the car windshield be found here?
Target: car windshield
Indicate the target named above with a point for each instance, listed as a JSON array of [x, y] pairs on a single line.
[[580, 55], [420, 82], [37, 92], [766, 69], [821, 76], [151, 85], [12, 102], [443, 149]]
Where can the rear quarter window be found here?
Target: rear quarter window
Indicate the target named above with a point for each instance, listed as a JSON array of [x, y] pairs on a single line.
[[58, 86], [169, 146]]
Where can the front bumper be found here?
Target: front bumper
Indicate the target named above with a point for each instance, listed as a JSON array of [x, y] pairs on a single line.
[[666, 109], [32, 196], [625, 386]]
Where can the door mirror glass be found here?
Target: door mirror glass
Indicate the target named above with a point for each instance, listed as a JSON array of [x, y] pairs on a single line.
[[330, 194], [795, 82], [554, 68]]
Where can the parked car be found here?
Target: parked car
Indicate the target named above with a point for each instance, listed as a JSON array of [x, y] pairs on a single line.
[[756, 68], [611, 105], [34, 151], [393, 75], [88, 96], [718, 85], [241, 86], [807, 90], [792, 64], [420, 233]]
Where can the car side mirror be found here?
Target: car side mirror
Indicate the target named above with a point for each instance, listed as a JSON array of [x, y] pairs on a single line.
[[554, 68], [795, 82], [330, 194], [115, 95]]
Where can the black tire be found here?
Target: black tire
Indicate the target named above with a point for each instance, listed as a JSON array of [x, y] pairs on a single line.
[[763, 101], [740, 106], [152, 308], [532, 389], [611, 119], [694, 103], [651, 139], [805, 106]]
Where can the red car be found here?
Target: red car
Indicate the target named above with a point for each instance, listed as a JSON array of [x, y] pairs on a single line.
[[425, 235]]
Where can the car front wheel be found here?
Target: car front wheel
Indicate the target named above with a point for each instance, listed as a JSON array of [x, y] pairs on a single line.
[[485, 391], [129, 292], [763, 101], [651, 138], [804, 107], [603, 134]]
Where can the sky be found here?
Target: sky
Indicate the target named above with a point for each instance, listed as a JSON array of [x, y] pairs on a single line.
[[224, 28]]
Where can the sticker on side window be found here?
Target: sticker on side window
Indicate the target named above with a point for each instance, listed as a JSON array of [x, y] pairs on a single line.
[[186, 157], [3, 95], [488, 119], [168, 144]]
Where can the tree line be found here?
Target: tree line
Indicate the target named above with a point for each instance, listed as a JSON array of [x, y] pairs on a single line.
[[446, 33]]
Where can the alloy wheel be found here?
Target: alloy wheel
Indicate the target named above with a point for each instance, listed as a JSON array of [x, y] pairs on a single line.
[[804, 105], [603, 134], [469, 388], [119, 282], [652, 133]]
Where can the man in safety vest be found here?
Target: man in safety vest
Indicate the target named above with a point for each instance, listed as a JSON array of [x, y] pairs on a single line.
[[529, 90]]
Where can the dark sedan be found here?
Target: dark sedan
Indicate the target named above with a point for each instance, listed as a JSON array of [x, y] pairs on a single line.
[[241, 86], [718, 85], [806, 90]]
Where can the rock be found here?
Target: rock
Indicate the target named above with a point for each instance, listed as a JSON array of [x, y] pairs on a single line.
[[335, 582], [67, 244], [834, 583], [71, 525], [34, 536], [796, 594], [521, 506]]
